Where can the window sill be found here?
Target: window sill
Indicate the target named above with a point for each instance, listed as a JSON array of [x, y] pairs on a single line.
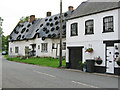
[[89, 34], [73, 35], [107, 31], [44, 51]]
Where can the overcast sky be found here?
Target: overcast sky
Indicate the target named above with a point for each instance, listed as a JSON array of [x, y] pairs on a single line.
[[12, 10]]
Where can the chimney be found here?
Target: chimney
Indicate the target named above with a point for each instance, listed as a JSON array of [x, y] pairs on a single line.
[[70, 8], [32, 18], [48, 14]]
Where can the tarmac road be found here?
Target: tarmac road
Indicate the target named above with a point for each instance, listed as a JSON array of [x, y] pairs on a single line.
[[19, 75]]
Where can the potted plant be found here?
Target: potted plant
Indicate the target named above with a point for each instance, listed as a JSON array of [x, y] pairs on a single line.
[[118, 61], [82, 66], [98, 60], [90, 50]]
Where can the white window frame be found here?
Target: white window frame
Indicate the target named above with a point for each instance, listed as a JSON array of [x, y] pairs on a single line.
[[44, 47], [16, 49]]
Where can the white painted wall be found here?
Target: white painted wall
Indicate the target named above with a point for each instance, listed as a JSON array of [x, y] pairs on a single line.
[[95, 40], [119, 24], [21, 44], [98, 28]]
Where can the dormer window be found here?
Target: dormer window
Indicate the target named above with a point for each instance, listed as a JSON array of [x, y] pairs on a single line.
[[74, 29], [108, 24], [89, 27], [28, 25]]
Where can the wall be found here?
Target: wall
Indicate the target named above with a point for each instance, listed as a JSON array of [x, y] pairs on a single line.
[[119, 24], [95, 40], [51, 52], [21, 45]]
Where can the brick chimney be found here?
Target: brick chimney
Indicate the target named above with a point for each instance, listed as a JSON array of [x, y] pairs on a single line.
[[48, 14], [32, 18], [70, 8]]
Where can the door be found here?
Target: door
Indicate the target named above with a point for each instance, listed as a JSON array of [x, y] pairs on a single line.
[[75, 56], [110, 60]]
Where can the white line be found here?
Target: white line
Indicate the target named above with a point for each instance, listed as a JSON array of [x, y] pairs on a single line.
[[85, 84], [45, 74]]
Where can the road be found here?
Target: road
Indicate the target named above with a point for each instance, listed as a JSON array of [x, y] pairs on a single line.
[[19, 75]]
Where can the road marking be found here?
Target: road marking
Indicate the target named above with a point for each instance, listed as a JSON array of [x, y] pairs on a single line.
[[85, 84], [45, 74]]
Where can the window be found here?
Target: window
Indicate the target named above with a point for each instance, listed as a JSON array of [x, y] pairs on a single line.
[[26, 50], [53, 46], [64, 46], [38, 46], [10, 50], [16, 49], [89, 27], [74, 29], [44, 47], [108, 24]]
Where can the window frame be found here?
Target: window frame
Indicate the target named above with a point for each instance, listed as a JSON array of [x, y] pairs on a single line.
[[38, 46], [53, 46], [108, 17], [11, 50], [16, 49], [64, 46], [44, 47], [76, 31], [26, 50], [92, 25]]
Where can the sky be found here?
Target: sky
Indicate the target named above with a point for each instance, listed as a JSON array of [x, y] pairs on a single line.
[[12, 10]]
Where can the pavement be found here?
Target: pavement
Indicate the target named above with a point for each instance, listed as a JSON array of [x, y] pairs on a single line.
[[100, 74], [20, 75], [0, 72]]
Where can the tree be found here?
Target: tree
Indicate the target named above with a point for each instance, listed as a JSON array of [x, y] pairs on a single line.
[[24, 19], [1, 32], [5, 43]]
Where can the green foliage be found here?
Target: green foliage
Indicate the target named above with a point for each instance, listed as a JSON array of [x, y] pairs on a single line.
[[47, 61], [5, 43], [89, 50], [24, 19], [1, 32], [81, 65], [1, 21]]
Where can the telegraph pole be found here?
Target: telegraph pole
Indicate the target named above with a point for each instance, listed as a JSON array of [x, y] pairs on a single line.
[[60, 57]]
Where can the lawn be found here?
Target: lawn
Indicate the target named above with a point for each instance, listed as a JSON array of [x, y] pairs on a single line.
[[47, 61]]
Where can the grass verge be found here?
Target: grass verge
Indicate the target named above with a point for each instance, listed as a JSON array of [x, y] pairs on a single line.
[[47, 61]]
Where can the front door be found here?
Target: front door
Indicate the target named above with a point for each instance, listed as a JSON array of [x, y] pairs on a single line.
[[75, 56], [110, 60]]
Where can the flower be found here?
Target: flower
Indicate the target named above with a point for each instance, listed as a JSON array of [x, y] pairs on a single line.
[[89, 50], [98, 58]]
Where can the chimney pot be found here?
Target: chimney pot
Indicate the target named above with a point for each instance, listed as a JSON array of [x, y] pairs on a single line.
[[70, 8], [32, 18], [48, 14]]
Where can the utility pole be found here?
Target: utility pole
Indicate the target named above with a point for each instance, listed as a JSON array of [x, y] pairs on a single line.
[[60, 57]]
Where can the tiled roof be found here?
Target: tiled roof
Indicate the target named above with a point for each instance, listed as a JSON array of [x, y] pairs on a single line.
[[88, 8], [48, 27]]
